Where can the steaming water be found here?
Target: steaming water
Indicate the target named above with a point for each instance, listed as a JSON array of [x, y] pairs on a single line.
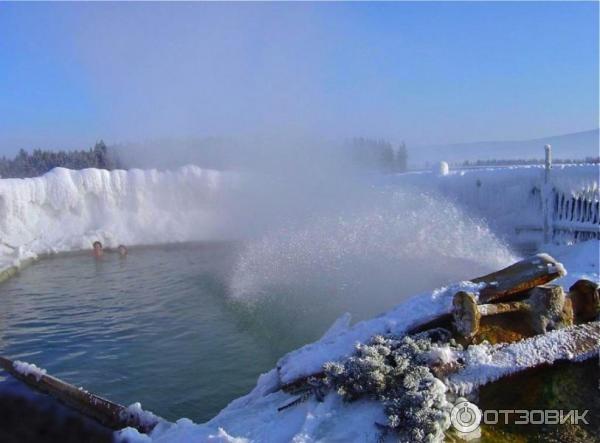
[[185, 329], [156, 327], [368, 258]]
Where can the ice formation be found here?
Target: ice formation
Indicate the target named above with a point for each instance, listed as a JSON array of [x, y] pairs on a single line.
[[25, 368], [134, 412], [394, 372], [67, 210]]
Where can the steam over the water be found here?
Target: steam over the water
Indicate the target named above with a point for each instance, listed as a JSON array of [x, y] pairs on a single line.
[[368, 258]]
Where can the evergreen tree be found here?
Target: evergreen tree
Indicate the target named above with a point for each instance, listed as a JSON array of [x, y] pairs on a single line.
[[373, 154], [40, 161], [401, 160]]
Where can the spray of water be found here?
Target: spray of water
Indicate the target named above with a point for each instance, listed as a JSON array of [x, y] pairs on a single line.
[[368, 258]]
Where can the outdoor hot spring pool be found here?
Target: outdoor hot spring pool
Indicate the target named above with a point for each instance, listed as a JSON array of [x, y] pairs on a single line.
[[161, 326]]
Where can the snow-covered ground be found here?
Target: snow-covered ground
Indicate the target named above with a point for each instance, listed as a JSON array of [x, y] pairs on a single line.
[[67, 210]]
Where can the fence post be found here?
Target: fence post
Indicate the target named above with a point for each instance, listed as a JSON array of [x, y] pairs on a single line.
[[547, 194]]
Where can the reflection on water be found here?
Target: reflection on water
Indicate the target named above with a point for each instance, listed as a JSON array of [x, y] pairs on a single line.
[[159, 326]]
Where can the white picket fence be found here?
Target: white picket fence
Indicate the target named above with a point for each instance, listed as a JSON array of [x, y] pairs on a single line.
[[568, 216], [575, 217], [525, 205]]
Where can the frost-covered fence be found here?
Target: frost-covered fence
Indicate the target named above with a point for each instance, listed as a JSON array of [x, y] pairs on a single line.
[[576, 215], [570, 209], [518, 201], [559, 205]]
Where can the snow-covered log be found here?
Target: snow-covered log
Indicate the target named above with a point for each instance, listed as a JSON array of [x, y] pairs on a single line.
[[106, 412], [519, 277]]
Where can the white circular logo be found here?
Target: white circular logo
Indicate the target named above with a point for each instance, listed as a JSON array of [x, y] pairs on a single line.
[[465, 417]]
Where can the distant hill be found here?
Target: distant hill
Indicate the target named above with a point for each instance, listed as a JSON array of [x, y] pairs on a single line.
[[578, 145]]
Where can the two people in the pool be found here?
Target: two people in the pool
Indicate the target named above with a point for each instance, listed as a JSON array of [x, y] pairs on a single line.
[[99, 250]]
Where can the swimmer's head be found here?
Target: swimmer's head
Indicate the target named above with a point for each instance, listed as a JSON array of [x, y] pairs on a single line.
[[97, 248]]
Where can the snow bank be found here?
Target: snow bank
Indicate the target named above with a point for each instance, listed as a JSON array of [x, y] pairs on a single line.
[[582, 260], [135, 414], [258, 420], [67, 210]]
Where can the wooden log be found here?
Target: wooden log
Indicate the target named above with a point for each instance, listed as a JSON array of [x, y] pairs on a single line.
[[545, 309], [519, 277], [107, 413], [585, 297]]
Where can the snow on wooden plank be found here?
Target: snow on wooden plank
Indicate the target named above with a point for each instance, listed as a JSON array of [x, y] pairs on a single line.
[[484, 363], [106, 412], [519, 277]]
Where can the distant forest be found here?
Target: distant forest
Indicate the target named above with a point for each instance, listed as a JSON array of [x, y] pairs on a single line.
[[39, 162], [379, 155], [369, 154], [531, 161]]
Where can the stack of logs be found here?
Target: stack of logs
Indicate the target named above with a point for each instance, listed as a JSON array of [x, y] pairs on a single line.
[[519, 302]]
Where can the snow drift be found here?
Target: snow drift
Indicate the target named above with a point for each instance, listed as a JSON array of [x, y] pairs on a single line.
[[67, 210]]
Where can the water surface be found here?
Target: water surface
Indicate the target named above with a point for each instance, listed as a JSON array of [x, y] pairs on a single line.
[[154, 327], [161, 326]]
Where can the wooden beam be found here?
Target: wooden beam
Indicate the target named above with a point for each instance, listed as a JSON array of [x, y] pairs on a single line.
[[107, 413], [519, 277]]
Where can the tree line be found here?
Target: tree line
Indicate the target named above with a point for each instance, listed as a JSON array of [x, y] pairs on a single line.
[[38, 162], [369, 154], [379, 154], [530, 161]]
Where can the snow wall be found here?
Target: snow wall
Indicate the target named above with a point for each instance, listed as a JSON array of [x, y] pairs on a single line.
[[67, 210]]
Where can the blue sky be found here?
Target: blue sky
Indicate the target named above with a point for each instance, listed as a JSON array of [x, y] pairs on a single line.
[[72, 73]]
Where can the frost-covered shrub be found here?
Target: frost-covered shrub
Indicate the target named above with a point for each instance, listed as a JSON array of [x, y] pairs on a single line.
[[395, 372]]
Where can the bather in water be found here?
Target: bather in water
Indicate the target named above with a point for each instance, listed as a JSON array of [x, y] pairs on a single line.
[[98, 250]]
